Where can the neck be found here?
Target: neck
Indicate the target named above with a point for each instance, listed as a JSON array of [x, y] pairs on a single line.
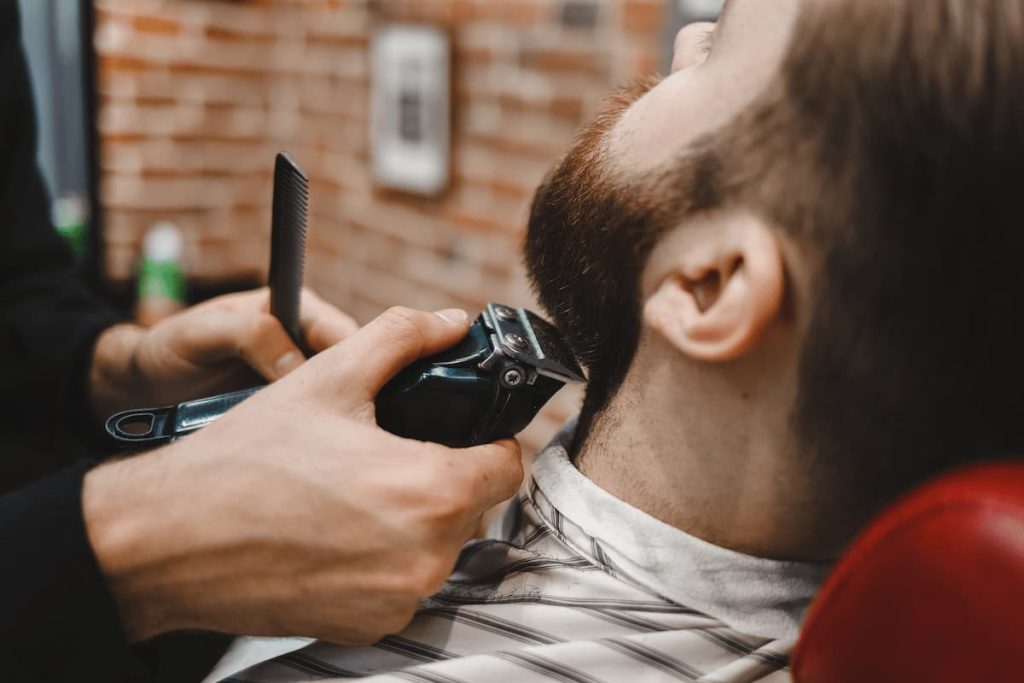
[[718, 463]]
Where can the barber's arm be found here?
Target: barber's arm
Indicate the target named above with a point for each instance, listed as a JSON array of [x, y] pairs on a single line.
[[293, 514]]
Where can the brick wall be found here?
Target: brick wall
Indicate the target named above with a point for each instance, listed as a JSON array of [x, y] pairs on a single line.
[[198, 95]]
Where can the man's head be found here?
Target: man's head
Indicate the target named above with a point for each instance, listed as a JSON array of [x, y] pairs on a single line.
[[822, 199]]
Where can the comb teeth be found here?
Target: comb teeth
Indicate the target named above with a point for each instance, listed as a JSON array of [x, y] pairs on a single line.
[[288, 244]]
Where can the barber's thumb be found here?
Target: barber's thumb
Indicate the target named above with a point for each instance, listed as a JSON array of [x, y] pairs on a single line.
[[455, 316], [497, 470], [397, 338]]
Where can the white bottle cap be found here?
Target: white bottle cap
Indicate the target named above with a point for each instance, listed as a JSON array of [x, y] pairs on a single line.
[[68, 210], [163, 243]]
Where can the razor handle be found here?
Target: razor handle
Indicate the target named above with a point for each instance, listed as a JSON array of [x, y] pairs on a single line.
[[489, 386]]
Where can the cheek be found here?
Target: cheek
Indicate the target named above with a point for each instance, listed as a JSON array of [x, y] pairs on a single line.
[[664, 122]]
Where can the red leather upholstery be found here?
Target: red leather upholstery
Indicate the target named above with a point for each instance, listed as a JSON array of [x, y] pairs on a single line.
[[932, 591]]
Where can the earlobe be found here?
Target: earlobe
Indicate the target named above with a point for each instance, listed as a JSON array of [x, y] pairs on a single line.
[[723, 291]]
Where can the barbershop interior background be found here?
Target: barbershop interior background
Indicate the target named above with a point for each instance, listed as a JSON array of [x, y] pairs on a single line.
[[424, 126]]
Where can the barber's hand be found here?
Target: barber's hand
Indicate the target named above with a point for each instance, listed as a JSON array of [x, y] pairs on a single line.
[[221, 345], [294, 514]]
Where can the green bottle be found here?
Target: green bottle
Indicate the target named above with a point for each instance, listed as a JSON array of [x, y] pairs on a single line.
[[161, 284], [71, 220]]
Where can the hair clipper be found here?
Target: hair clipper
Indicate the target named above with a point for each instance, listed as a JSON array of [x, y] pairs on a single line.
[[489, 386]]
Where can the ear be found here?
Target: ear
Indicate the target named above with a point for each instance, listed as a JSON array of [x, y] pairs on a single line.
[[717, 286]]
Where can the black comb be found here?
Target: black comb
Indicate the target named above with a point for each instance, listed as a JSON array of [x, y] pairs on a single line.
[[288, 245]]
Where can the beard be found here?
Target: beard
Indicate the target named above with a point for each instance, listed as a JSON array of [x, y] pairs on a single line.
[[589, 237]]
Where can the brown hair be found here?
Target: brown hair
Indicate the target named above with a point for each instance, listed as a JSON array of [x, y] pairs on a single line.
[[894, 141]]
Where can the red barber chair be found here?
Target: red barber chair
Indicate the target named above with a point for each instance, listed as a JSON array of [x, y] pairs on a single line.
[[932, 591]]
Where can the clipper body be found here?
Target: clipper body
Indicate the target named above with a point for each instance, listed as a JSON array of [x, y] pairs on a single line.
[[488, 387]]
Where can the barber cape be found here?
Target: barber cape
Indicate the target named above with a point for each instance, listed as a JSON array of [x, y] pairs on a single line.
[[573, 585]]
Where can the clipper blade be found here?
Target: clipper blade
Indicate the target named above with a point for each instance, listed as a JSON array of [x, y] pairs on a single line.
[[288, 245]]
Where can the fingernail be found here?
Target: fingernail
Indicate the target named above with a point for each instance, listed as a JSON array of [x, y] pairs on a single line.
[[287, 363], [456, 316]]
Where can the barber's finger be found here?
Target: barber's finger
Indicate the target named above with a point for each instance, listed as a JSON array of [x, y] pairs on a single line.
[[395, 339], [323, 325], [269, 350], [495, 471], [253, 299], [256, 338]]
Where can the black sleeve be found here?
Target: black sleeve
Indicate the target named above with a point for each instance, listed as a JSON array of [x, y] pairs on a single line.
[[58, 621], [49, 319]]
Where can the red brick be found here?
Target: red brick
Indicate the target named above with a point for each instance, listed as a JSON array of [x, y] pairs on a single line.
[[646, 63], [568, 108], [474, 55], [336, 40], [564, 61], [149, 24], [538, 148], [233, 35], [472, 221], [511, 13], [510, 188], [465, 11], [121, 63], [643, 16]]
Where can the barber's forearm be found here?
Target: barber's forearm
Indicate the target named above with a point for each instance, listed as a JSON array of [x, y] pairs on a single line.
[[115, 382]]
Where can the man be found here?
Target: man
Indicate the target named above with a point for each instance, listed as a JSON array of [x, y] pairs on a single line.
[[293, 514], [792, 268]]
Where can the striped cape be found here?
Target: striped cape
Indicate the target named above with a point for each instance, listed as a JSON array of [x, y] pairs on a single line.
[[543, 600]]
